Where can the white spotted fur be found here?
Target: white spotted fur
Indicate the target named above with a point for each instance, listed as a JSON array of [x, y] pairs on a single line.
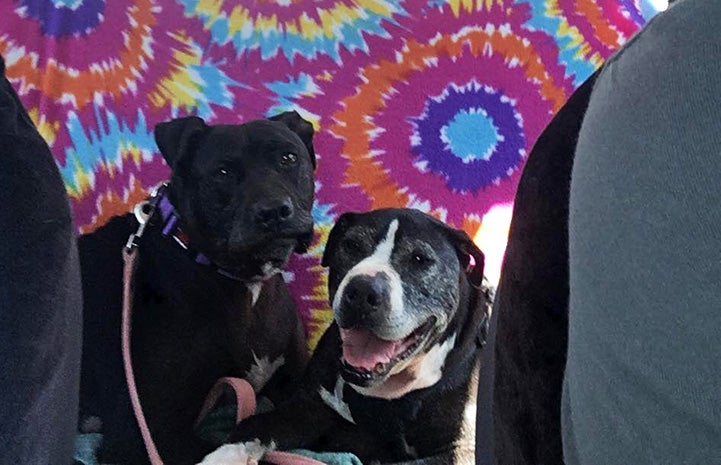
[[254, 288], [262, 370], [335, 400]]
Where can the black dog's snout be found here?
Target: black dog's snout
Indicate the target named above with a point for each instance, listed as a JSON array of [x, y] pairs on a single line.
[[363, 297], [273, 213]]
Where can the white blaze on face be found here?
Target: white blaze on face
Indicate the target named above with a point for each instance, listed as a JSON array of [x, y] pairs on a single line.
[[379, 262]]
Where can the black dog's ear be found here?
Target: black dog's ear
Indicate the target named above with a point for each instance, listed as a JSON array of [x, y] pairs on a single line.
[[465, 249], [339, 229], [298, 125], [175, 137]]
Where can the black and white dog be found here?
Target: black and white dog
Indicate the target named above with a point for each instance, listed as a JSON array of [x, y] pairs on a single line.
[[209, 301], [392, 375]]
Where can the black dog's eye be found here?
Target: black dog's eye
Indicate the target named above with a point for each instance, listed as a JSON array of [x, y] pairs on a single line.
[[352, 247], [224, 175], [288, 159], [420, 259]]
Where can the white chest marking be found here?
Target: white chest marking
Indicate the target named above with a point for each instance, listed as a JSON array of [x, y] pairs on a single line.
[[254, 289], [269, 270], [431, 367], [262, 370], [335, 400]]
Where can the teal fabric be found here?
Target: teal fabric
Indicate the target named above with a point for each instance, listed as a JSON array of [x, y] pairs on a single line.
[[86, 446], [330, 458]]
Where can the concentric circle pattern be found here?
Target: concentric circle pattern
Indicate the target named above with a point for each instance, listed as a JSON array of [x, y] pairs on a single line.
[[471, 135], [430, 104]]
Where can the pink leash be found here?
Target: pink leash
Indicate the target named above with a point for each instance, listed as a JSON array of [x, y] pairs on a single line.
[[129, 257], [245, 396]]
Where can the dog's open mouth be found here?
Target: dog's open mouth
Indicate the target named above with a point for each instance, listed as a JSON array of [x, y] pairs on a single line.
[[368, 358]]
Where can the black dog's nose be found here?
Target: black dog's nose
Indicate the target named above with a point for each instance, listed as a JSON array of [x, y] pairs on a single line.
[[272, 213], [365, 295]]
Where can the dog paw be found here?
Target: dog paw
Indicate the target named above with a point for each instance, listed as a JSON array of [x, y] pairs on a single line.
[[247, 453]]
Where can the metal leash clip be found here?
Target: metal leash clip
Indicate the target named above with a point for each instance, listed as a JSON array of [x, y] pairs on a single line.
[[143, 212]]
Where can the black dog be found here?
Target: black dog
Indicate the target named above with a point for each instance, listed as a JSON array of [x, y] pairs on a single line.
[[209, 301], [391, 377]]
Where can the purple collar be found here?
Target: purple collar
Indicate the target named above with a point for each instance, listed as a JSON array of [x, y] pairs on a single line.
[[171, 229]]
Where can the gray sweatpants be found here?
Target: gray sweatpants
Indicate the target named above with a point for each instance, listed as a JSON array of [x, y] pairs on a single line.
[[643, 378]]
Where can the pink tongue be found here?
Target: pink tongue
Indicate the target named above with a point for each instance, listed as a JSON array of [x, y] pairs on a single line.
[[363, 349]]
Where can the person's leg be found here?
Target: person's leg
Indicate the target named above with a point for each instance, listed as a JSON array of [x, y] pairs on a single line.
[[519, 392], [40, 297], [643, 377]]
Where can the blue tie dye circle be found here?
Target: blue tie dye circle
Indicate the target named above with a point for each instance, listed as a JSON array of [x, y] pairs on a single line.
[[60, 18], [471, 135]]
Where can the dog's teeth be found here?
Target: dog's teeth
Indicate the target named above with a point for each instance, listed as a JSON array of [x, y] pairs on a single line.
[[378, 368]]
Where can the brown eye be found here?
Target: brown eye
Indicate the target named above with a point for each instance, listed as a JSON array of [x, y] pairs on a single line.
[[222, 172], [289, 159]]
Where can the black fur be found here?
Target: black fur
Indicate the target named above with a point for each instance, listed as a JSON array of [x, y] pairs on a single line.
[[420, 426], [191, 324]]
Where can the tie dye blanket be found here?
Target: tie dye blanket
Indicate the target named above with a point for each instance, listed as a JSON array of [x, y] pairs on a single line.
[[432, 104]]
